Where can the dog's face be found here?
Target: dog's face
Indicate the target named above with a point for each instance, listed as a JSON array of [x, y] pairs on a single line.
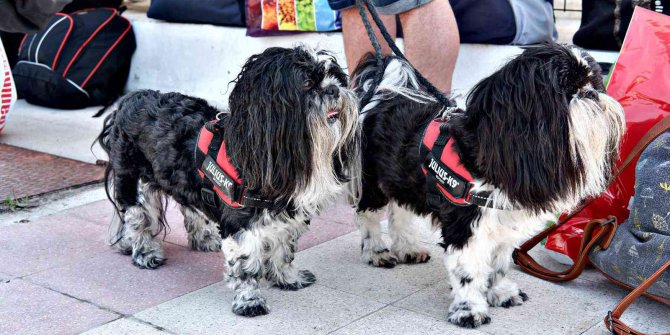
[[293, 121], [547, 135]]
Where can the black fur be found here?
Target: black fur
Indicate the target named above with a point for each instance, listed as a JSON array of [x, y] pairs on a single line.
[[151, 136], [514, 135]]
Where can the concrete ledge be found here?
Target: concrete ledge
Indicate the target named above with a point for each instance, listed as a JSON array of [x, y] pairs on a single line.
[[201, 60]]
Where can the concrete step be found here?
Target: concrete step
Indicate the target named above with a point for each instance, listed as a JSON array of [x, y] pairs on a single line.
[[199, 60]]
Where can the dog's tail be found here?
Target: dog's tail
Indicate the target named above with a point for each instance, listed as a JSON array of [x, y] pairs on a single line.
[[399, 79]]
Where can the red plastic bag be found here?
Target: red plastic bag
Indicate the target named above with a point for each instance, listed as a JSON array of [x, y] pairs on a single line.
[[640, 81], [7, 88]]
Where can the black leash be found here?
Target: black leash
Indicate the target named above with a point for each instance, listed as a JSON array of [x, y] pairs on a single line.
[[443, 99]]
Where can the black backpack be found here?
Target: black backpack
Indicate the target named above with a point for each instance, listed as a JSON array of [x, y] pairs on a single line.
[[78, 60]]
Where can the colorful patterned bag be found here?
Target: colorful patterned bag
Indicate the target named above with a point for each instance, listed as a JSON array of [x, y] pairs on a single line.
[[277, 17], [7, 89]]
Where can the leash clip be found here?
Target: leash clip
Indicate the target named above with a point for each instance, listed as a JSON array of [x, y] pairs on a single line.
[[447, 112], [220, 115], [610, 322]]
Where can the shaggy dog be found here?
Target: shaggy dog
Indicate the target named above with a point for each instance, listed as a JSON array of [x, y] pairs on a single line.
[[537, 137], [291, 134]]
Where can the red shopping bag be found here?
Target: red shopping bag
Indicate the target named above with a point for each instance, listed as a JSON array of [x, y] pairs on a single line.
[[640, 81], [7, 89]]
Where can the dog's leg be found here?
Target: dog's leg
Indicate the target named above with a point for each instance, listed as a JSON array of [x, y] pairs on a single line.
[[124, 188], [203, 234], [468, 270], [142, 224], [280, 247], [405, 246], [502, 291], [373, 248], [243, 253]]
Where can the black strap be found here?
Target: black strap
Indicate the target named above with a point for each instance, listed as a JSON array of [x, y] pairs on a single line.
[[443, 99], [240, 194]]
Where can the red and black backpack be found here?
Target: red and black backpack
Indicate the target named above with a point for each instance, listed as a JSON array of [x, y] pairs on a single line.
[[79, 59]]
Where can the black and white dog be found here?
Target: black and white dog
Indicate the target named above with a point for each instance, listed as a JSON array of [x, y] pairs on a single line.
[[291, 133], [538, 136]]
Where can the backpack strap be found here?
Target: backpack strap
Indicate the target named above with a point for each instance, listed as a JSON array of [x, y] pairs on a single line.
[[528, 264], [612, 321]]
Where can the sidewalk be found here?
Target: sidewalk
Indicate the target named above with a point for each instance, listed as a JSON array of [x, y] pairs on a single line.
[[57, 276]]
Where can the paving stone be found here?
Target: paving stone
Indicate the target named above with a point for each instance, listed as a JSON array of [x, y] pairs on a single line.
[[26, 308], [313, 310], [392, 320], [26, 172], [125, 326], [109, 279], [574, 307], [340, 212], [322, 230], [337, 264], [5, 277], [542, 256], [99, 212], [48, 242]]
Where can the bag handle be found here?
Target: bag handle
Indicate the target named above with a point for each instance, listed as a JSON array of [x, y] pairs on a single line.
[[612, 321], [528, 264]]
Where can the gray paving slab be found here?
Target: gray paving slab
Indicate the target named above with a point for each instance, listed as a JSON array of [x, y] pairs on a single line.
[[110, 279], [26, 308], [313, 310], [574, 307], [394, 320], [125, 326], [5, 277], [337, 264]]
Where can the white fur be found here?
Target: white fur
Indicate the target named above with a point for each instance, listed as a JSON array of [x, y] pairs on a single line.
[[203, 234], [405, 245], [266, 250], [398, 79]]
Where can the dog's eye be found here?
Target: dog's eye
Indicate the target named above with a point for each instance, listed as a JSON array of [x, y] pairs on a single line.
[[308, 83]]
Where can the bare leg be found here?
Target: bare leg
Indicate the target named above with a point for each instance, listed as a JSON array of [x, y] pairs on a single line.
[[356, 41], [431, 41]]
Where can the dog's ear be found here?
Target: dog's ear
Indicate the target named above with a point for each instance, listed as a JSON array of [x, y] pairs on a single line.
[[267, 134], [518, 125]]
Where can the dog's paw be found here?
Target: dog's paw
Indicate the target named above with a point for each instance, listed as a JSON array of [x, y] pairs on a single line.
[[463, 315], [251, 308], [382, 258], [305, 279], [208, 242], [148, 259], [496, 298], [413, 257]]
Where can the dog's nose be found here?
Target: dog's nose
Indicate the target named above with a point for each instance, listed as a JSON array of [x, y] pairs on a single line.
[[332, 90]]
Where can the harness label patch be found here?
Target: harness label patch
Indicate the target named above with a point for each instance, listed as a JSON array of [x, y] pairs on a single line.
[[447, 178], [214, 173]]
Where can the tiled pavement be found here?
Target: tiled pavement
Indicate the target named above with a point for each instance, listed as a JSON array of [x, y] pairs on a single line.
[[57, 276], [39, 173]]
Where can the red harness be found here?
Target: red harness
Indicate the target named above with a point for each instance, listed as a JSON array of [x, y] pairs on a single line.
[[446, 176], [220, 180]]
